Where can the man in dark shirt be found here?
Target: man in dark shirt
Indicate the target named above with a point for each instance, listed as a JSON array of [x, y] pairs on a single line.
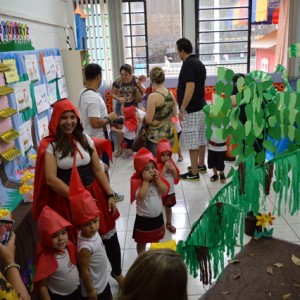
[[190, 93]]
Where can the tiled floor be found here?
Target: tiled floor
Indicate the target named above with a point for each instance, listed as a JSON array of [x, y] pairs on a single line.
[[192, 199]]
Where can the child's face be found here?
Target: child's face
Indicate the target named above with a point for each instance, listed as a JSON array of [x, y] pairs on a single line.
[[149, 169], [90, 228], [60, 239], [165, 156]]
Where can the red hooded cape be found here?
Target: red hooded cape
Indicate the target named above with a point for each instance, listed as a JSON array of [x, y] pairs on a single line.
[[141, 159], [45, 261], [43, 194], [164, 145], [130, 121]]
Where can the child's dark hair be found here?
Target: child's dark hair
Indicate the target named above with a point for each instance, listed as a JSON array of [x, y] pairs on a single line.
[[91, 71]]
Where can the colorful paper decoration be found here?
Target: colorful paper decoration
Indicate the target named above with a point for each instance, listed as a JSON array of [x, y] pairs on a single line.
[[10, 154], [9, 135], [12, 74]]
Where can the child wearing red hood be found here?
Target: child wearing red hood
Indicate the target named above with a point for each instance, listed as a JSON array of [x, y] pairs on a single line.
[[168, 169], [128, 132], [147, 188], [56, 275]]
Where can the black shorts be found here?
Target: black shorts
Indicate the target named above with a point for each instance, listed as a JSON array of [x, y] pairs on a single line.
[[216, 160]]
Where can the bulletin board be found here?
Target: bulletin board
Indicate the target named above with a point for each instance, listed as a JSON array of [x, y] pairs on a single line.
[[34, 81]]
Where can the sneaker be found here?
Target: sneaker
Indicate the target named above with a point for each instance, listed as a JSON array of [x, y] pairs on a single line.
[[200, 169], [119, 197], [190, 176]]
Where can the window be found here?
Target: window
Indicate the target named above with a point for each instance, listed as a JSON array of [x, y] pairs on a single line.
[[135, 36], [224, 32]]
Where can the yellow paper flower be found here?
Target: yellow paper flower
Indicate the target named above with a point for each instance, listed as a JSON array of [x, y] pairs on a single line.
[[270, 219], [27, 176], [4, 213], [25, 189], [262, 220], [32, 156]]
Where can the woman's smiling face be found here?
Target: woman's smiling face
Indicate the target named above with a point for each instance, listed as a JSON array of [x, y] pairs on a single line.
[[67, 122]]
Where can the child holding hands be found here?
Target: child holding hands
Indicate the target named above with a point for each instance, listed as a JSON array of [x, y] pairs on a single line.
[[56, 275], [90, 249], [168, 169], [147, 188]]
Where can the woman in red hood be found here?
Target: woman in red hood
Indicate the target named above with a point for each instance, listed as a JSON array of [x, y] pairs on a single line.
[[67, 142]]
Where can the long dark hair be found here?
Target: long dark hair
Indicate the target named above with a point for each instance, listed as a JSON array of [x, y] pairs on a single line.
[[65, 144]]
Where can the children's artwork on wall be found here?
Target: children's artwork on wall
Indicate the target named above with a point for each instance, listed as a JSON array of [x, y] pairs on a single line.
[[43, 127], [23, 96], [25, 137], [41, 98], [59, 66], [11, 75], [51, 92], [31, 64], [50, 67], [62, 88]]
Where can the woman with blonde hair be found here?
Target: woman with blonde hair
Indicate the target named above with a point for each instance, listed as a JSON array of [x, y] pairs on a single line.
[[161, 107], [156, 274]]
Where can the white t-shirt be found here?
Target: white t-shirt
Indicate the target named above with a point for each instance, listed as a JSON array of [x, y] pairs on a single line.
[[214, 138], [98, 262], [151, 206], [130, 135], [169, 177], [65, 279], [67, 162], [90, 105]]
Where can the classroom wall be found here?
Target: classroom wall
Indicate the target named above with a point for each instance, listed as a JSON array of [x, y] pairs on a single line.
[[47, 20]]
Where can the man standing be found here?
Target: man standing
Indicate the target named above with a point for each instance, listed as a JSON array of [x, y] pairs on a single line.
[[190, 93], [93, 110]]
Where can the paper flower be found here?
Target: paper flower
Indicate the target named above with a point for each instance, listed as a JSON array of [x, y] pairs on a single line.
[[4, 213], [262, 220], [27, 176], [25, 189], [32, 156], [270, 219]]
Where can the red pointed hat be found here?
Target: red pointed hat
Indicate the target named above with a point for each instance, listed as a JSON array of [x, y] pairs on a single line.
[[130, 121], [46, 226], [83, 206], [163, 145], [141, 159], [59, 107]]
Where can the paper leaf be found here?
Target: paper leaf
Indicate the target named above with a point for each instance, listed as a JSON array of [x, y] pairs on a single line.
[[269, 146], [291, 133], [248, 127], [286, 296], [240, 83], [231, 172], [228, 89], [278, 265], [221, 73], [219, 87], [228, 75], [270, 270], [298, 86], [260, 158], [296, 260], [208, 132], [272, 121]]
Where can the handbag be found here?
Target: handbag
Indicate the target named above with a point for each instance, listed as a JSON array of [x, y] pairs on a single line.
[[137, 95], [141, 140]]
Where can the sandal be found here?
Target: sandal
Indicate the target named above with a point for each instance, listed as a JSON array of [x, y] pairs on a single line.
[[214, 178], [170, 227], [118, 153], [180, 158], [222, 178]]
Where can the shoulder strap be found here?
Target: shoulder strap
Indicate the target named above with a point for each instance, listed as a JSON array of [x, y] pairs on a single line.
[[78, 107], [160, 93]]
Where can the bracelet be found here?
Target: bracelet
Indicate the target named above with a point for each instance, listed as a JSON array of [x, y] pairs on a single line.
[[111, 196], [108, 119], [11, 266]]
